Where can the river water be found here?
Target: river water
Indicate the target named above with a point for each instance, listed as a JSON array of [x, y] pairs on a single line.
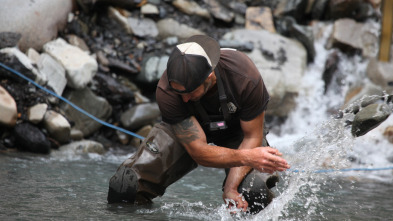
[[73, 186]]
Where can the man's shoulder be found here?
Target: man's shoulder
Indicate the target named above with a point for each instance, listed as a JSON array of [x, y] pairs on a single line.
[[238, 66]]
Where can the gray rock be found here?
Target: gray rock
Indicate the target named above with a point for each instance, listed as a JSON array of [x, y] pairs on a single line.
[[152, 69], [76, 134], [140, 115], [88, 101], [259, 18], [236, 44], [77, 42], [149, 9], [26, 62], [30, 138], [36, 28], [169, 27], [220, 12], [8, 111], [380, 73], [83, 147], [143, 27], [369, 118], [281, 73], [54, 72], [9, 39], [191, 8], [80, 66], [351, 36], [57, 126], [36, 113]]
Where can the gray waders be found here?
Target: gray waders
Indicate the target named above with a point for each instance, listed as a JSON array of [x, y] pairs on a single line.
[[160, 161]]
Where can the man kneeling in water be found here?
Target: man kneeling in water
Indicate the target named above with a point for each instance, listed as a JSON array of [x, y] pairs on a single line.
[[213, 103]]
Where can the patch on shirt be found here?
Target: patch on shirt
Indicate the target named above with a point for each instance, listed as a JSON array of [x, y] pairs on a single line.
[[231, 108]]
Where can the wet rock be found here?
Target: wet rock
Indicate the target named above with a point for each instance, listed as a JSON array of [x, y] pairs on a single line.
[[9, 39], [36, 113], [380, 73], [365, 40], [30, 138], [31, 71], [319, 9], [295, 9], [150, 10], [140, 98], [281, 73], [171, 41], [57, 126], [80, 67], [54, 72], [127, 4], [143, 27], [369, 118], [77, 42], [33, 55], [122, 68], [113, 90], [88, 101], [35, 14], [169, 27], [140, 115], [331, 65], [239, 7], [144, 131], [191, 8], [122, 20], [8, 111], [152, 69], [219, 12], [260, 18], [288, 27], [83, 147], [356, 9], [361, 96], [236, 44], [76, 134], [123, 137]]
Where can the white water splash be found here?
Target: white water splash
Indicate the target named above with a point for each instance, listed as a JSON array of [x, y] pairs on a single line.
[[311, 139]]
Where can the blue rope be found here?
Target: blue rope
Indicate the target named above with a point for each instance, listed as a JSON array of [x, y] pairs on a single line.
[[70, 103], [344, 170]]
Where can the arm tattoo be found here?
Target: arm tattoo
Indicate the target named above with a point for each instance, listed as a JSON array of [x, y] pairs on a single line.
[[186, 131]]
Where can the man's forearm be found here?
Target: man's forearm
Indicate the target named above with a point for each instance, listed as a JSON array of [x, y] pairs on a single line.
[[237, 174]]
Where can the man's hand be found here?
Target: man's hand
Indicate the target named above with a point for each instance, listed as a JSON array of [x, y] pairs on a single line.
[[234, 198], [267, 160]]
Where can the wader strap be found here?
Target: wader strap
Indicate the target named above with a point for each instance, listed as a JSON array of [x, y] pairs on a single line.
[[202, 112], [222, 96], [223, 102]]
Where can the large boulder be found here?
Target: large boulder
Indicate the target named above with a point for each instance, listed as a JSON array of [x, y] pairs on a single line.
[[37, 21], [79, 65], [8, 112], [353, 37], [88, 101], [282, 73]]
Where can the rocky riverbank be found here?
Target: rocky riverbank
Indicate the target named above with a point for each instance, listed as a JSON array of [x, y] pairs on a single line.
[[107, 56]]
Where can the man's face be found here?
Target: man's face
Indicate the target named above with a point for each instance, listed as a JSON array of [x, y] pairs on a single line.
[[192, 96], [196, 94]]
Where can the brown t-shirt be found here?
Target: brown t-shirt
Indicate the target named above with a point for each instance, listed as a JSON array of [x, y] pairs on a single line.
[[243, 86]]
